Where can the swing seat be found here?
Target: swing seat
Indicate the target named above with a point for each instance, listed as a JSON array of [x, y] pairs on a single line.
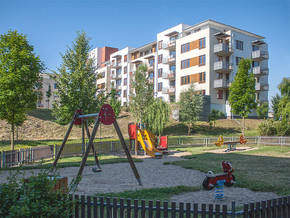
[[96, 170]]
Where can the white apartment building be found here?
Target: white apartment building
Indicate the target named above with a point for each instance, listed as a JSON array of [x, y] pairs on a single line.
[[205, 54], [48, 82]]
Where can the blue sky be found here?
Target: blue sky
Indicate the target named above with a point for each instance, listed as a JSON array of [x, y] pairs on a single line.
[[51, 25]]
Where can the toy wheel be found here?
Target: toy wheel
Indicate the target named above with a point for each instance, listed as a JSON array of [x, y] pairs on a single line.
[[205, 184], [230, 184]]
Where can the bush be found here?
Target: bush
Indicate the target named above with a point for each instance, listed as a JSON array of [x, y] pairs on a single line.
[[267, 128], [33, 198], [283, 128]]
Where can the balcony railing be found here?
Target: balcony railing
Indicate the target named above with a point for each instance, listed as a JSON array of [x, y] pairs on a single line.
[[260, 55], [119, 75], [262, 87], [222, 66], [260, 71], [169, 45], [150, 68], [170, 90], [169, 60], [169, 75], [222, 49], [116, 65], [221, 83], [114, 76], [118, 87]]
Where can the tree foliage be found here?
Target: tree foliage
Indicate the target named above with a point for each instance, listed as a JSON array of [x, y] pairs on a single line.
[[158, 116], [242, 95], [262, 110], [191, 106], [114, 102], [48, 94], [284, 102], [19, 79], [76, 82], [275, 106], [141, 96]]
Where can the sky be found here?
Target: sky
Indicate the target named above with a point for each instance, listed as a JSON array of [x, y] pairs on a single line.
[[51, 25]]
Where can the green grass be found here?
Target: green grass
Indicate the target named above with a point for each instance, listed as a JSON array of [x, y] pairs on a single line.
[[74, 162], [43, 114], [265, 169], [162, 194]]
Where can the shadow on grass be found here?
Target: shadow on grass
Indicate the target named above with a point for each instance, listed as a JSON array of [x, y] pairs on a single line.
[[181, 129], [43, 114], [258, 173]]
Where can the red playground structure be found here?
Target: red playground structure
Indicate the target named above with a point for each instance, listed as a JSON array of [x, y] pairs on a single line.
[[211, 179]]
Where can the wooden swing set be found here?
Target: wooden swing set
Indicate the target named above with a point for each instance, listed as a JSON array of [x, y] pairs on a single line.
[[106, 116]]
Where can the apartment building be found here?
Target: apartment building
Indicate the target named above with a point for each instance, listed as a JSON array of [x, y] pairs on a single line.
[[205, 54], [48, 82]]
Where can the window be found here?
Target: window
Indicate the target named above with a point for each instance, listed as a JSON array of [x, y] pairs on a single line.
[[202, 43], [160, 57], [255, 64], [239, 45], [118, 82], [159, 87], [202, 77], [172, 68], [220, 94], [202, 92], [125, 81], [151, 75], [201, 60], [255, 48], [219, 75], [238, 59], [185, 47], [124, 93], [55, 85], [119, 71], [172, 98], [119, 60], [160, 71], [227, 94], [185, 64], [160, 44], [125, 58], [125, 70], [151, 62], [185, 80]]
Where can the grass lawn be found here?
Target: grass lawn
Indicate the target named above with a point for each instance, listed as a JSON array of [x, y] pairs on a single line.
[[74, 162], [265, 169]]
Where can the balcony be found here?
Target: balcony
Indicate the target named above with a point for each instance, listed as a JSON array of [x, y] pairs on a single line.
[[169, 45], [222, 66], [150, 68], [260, 55], [118, 87], [221, 84], [169, 75], [260, 87], [119, 75], [222, 49], [116, 65], [169, 60], [260, 71], [170, 90], [114, 76]]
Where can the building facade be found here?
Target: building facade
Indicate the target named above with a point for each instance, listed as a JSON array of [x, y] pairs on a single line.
[[206, 55], [48, 83]]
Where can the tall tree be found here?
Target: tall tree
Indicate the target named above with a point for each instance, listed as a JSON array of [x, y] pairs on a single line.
[[141, 94], [76, 81], [19, 79], [158, 116], [191, 106], [275, 106], [114, 102], [262, 110], [242, 96], [284, 103], [48, 95]]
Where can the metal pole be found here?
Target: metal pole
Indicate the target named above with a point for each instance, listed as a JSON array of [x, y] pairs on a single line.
[[123, 143], [64, 140], [88, 115]]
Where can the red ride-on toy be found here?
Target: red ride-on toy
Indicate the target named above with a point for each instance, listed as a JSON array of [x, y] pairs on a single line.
[[211, 179]]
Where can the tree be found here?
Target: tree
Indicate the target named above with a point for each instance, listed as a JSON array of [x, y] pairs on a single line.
[[275, 106], [284, 103], [214, 115], [76, 82], [19, 79], [242, 91], [141, 94], [114, 102], [190, 107], [158, 116], [262, 110], [48, 94]]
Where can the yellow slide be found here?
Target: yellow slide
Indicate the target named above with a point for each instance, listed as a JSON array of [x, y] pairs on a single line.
[[147, 145]]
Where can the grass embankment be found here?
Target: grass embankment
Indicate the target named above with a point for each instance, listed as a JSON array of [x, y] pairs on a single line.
[[74, 162], [265, 169]]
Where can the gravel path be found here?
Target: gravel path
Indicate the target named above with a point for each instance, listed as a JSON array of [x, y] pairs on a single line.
[[119, 177]]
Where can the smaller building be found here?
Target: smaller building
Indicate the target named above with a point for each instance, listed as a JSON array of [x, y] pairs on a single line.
[[48, 83]]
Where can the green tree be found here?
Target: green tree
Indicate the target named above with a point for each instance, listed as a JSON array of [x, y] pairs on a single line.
[[242, 91], [284, 103], [158, 116], [275, 106], [48, 94], [262, 110], [114, 102], [141, 94], [214, 115], [190, 107], [76, 82], [19, 79]]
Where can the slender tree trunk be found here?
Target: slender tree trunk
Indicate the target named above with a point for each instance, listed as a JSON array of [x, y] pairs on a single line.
[[12, 136], [244, 126], [188, 132]]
